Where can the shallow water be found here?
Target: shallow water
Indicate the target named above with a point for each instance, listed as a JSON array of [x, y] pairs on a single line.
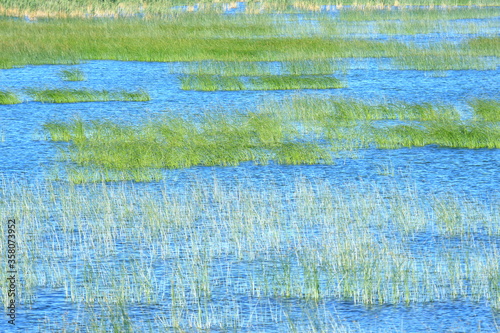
[[26, 155]]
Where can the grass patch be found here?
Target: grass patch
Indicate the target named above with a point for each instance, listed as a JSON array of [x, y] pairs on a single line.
[[205, 82], [68, 95], [299, 130], [486, 109], [72, 75], [283, 82], [8, 97], [226, 68]]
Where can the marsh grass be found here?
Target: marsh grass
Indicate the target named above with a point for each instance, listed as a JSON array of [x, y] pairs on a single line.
[[205, 82], [297, 130], [486, 109], [72, 75], [68, 95], [8, 97], [283, 82], [227, 68], [472, 135]]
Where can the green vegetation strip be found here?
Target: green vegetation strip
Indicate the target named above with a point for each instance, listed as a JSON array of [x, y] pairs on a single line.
[[300, 130], [8, 97], [205, 37], [67, 95], [205, 82]]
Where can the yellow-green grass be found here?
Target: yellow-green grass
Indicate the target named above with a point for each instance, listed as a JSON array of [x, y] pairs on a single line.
[[68, 95], [205, 82], [472, 135], [281, 82], [486, 109], [8, 97]]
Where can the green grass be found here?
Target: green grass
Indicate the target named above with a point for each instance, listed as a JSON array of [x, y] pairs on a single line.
[[226, 68], [486, 109], [297, 130], [197, 39], [68, 95], [239, 45], [472, 135], [72, 75], [205, 82], [282, 82], [8, 97]]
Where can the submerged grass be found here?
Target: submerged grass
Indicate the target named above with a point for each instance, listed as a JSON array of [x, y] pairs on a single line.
[[418, 14], [68, 95], [72, 75], [225, 241], [8, 97]]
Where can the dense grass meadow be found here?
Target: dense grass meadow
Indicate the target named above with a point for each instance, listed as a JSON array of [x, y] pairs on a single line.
[[271, 166]]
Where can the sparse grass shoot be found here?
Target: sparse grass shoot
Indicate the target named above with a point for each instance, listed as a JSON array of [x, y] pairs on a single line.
[[72, 75]]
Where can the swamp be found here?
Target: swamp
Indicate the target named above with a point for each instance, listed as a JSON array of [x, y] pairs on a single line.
[[257, 166]]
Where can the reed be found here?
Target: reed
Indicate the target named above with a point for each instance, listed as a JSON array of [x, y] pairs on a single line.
[[68, 95]]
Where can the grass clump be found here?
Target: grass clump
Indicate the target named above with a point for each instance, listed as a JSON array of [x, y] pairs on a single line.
[[68, 95], [72, 75], [205, 82], [486, 109], [8, 97], [284, 82], [227, 68]]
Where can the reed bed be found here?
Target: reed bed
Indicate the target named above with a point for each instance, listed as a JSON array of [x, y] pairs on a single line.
[[68, 95], [205, 82], [72, 75], [8, 97], [201, 252]]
